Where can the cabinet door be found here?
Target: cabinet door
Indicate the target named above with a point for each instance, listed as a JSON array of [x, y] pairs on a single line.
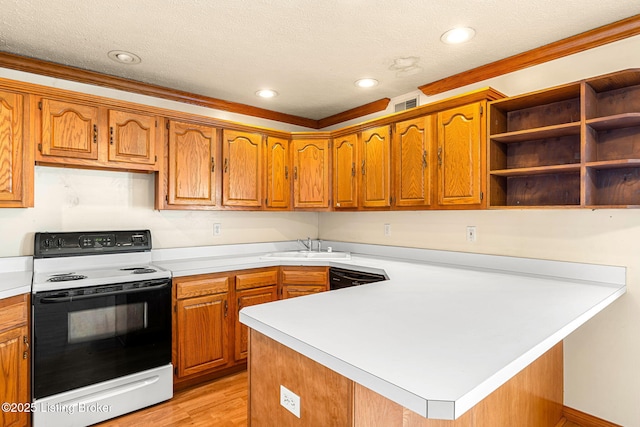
[[459, 155], [345, 161], [375, 158], [412, 141], [202, 333], [192, 153], [132, 138], [242, 169], [16, 159], [311, 173], [247, 298], [14, 364], [69, 130], [277, 165]]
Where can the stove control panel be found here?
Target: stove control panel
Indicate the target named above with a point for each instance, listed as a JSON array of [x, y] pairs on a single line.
[[50, 245]]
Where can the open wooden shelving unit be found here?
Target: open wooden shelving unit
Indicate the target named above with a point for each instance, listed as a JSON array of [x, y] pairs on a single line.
[[575, 145]]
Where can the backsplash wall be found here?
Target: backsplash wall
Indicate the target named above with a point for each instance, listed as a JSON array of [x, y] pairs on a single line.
[[76, 199]]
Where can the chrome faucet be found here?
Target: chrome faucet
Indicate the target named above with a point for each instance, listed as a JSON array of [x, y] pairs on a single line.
[[306, 244]]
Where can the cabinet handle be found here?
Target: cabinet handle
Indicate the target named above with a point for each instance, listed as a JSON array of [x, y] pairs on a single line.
[[226, 165], [363, 171], [213, 165], [226, 308], [25, 353], [111, 135], [286, 172], [439, 156], [353, 169], [295, 173], [424, 159], [95, 134]]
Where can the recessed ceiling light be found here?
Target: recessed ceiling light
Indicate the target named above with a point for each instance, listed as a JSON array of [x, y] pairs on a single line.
[[122, 57], [366, 83], [266, 93], [458, 35]]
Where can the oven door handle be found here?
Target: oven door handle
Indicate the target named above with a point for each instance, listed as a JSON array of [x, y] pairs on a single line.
[[53, 300]]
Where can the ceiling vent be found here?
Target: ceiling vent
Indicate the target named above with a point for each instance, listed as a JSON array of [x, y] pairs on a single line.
[[405, 105]]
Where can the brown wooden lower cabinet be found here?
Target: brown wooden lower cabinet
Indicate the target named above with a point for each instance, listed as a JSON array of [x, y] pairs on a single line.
[[14, 358], [533, 397], [208, 339], [300, 281]]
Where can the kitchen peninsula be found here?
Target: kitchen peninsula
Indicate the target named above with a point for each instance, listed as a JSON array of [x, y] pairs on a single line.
[[433, 342]]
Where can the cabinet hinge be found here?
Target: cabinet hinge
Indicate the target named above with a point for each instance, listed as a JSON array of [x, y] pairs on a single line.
[[481, 195], [40, 105], [481, 110], [40, 147], [226, 308], [25, 355], [266, 201], [175, 308], [156, 123], [166, 199], [175, 371], [390, 200], [156, 158], [167, 125]]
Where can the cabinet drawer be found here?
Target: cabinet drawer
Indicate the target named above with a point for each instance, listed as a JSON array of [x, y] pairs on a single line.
[[257, 279], [14, 311], [304, 275], [201, 285]]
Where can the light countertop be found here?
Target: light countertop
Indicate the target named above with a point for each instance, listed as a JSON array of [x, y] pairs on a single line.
[[15, 276], [437, 338]]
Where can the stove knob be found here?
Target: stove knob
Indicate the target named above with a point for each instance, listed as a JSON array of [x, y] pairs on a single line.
[[59, 242], [47, 243]]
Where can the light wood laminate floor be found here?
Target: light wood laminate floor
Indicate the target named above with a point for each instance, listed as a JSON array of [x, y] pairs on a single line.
[[220, 403]]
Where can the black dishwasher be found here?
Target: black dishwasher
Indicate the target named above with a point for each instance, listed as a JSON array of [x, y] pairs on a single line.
[[341, 278]]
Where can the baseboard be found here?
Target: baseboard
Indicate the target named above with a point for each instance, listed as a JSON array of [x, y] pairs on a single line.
[[585, 420]]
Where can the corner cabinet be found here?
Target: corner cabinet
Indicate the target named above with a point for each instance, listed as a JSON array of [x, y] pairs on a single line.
[[277, 181], [15, 358], [575, 145], [460, 156], [345, 176], [16, 151], [311, 165]]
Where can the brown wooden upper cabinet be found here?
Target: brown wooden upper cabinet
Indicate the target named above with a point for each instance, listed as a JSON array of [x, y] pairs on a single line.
[[95, 136], [375, 158], [242, 169], [413, 144], [345, 175], [16, 151], [132, 137], [69, 130], [192, 160], [278, 183], [311, 173], [460, 155]]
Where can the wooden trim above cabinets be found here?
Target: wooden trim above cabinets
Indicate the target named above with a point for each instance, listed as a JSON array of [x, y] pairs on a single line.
[[354, 113], [616, 31], [51, 69]]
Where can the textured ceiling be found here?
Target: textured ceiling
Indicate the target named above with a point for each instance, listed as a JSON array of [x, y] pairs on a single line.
[[311, 52]]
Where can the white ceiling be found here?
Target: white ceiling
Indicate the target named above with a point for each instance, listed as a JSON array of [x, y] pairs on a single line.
[[311, 52]]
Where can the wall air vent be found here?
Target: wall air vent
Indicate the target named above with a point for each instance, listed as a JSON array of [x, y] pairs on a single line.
[[405, 105]]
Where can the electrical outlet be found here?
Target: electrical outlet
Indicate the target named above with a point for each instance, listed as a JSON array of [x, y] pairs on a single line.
[[387, 229], [217, 229], [290, 401], [471, 233]]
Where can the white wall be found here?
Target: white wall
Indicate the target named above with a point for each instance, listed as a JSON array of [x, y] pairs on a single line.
[[75, 199], [602, 358], [602, 376]]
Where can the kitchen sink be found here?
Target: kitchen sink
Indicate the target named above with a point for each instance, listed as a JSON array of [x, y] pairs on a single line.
[[308, 255]]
